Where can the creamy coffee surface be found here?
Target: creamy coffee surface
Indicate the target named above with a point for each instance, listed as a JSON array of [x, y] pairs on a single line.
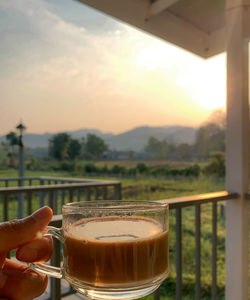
[[119, 229], [116, 251]]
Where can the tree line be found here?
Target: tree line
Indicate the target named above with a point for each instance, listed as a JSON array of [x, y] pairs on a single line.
[[210, 137], [62, 146]]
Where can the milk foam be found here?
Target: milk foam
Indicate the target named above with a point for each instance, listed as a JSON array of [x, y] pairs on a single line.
[[120, 229]]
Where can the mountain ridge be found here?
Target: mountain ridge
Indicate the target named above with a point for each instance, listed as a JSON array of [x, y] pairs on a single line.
[[134, 139]]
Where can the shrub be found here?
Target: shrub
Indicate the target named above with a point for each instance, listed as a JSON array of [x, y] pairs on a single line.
[[117, 169], [68, 166], [216, 166], [141, 168], [90, 168]]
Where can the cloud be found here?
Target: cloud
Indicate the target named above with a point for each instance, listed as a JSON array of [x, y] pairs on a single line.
[[53, 62], [34, 36], [57, 74]]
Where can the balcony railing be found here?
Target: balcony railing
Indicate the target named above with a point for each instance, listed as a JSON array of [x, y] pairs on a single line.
[[21, 199], [99, 190]]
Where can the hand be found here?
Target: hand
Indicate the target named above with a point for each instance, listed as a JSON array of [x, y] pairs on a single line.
[[17, 280]]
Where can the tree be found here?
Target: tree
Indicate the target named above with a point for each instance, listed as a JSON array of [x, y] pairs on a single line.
[[58, 145], [216, 166], [157, 148], [184, 152], [218, 117], [131, 154], [93, 147], [153, 147], [164, 149], [12, 139], [209, 138], [74, 149]]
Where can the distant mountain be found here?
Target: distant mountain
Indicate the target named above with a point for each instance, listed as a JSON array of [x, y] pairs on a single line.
[[78, 134], [33, 140], [134, 139], [137, 138]]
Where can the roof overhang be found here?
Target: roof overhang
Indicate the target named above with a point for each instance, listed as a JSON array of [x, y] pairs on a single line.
[[195, 25]]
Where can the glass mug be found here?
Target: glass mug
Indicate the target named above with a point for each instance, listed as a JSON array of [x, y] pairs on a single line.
[[112, 249]]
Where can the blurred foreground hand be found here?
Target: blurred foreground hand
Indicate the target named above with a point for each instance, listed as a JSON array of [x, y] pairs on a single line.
[[17, 280]]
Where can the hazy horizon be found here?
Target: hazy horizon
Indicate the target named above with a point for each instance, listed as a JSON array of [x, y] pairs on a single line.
[[102, 131], [65, 66]]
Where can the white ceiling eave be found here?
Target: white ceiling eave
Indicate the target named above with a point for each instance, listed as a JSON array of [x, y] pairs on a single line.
[[157, 20], [158, 6]]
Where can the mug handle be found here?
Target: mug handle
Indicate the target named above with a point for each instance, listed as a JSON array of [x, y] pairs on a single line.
[[44, 268]]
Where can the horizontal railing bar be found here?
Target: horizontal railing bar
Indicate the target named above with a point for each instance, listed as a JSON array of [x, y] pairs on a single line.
[[65, 179], [199, 199], [44, 188], [18, 178], [70, 179], [211, 198]]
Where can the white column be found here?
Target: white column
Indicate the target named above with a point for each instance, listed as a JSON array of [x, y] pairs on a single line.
[[237, 151]]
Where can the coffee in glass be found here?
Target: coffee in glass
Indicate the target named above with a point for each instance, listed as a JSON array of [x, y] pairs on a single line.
[[113, 249]]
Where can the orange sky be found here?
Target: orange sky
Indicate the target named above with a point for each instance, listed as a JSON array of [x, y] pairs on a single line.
[[57, 75]]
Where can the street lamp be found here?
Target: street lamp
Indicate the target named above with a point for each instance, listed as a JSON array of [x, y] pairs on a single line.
[[20, 128]]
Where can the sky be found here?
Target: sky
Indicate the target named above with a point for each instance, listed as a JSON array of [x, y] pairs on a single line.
[[65, 66]]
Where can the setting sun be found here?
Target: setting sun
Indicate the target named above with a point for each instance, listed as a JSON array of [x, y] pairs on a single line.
[[207, 83], [204, 80]]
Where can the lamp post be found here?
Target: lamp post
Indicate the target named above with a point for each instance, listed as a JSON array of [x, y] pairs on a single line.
[[20, 128]]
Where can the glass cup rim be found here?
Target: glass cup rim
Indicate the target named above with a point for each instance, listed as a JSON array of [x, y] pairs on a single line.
[[130, 205]]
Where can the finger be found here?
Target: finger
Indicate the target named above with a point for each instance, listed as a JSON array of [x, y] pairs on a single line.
[[17, 232], [21, 282], [37, 250], [2, 258]]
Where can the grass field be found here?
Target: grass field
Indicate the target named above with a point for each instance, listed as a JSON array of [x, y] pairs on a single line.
[[153, 189]]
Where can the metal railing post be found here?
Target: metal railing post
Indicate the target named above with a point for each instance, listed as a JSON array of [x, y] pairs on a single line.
[[214, 251], [56, 260], [51, 199], [29, 199], [197, 252], [157, 295], [41, 201], [87, 194], [117, 192], [178, 254], [5, 208]]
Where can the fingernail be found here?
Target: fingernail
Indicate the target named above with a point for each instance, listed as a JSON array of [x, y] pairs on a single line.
[[27, 255], [41, 213], [3, 279]]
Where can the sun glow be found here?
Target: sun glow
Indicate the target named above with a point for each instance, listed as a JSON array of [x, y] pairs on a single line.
[[155, 55], [208, 86], [204, 80]]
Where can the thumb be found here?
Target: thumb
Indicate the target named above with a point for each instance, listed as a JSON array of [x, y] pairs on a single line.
[[17, 232]]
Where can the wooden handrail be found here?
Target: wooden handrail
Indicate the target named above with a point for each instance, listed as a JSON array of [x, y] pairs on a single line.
[[199, 199]]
